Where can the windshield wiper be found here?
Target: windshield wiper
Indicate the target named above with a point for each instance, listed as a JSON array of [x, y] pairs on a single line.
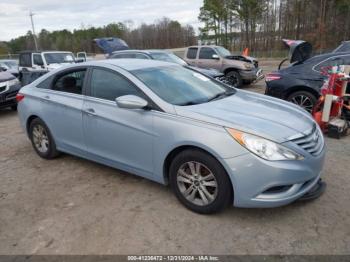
[[221, 95], [190, 103]]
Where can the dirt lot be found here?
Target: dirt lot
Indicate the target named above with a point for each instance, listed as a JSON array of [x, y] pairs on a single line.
[[73, 206]]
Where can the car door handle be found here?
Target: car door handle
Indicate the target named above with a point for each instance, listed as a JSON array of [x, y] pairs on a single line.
[[90, 111]]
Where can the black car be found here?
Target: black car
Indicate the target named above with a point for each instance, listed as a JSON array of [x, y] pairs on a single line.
[[300, 83], [9, 87], [167, 56]]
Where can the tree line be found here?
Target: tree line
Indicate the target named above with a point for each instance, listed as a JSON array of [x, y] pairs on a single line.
[[261, 24], [163, 33]]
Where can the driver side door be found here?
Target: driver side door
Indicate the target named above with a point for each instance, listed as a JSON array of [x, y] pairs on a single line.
[[206, 59], [119, 137]]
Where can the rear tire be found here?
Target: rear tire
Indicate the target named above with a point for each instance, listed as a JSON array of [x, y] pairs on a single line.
[[303, 99], [200, 182], [42, 140], [234, 78]]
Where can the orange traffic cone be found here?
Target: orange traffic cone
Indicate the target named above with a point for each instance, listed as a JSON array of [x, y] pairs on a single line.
[[246, 51]]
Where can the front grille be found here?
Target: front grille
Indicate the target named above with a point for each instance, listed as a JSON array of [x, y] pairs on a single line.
[[11, 95], [312, 142]]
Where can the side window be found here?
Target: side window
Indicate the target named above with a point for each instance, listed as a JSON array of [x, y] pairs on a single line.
[[71, 82], [37, 60], [346, 60], [25, 60], [206, 53], [46, 84], [192, 52], [333, 61], [108, 85]]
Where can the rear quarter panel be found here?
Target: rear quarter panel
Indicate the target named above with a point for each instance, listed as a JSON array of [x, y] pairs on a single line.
[[29, 106]]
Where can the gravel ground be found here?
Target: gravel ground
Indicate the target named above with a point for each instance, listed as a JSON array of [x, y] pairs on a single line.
[[73, 206]]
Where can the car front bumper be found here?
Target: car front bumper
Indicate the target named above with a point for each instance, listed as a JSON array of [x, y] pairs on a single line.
[[255, 74], [8, 97], [258, 183]]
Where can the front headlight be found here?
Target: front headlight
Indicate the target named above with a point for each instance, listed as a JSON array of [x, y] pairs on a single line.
[[248, 66], [264, 148], [12, 82]]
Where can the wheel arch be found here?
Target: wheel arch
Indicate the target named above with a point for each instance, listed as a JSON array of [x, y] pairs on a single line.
[[177, 150], [301, 88], [29, 121], [229, 69]]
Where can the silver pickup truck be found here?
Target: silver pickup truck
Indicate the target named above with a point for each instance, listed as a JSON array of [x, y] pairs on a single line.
[[238, 69]]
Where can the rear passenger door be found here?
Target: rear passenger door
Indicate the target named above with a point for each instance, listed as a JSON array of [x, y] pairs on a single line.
[[62, 101]]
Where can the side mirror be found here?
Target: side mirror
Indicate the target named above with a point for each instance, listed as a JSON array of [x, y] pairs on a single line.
[[215, 56], [2, 68], [131, 102]]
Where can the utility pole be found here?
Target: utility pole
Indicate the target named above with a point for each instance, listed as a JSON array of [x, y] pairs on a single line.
[[34, 36]]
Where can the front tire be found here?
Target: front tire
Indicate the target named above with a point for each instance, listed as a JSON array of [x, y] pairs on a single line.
[[42, 140], [234, 78], [200, 182], [303, 99]]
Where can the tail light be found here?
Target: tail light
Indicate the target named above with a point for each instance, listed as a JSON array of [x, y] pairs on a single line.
[[19, 97], [273, 77]]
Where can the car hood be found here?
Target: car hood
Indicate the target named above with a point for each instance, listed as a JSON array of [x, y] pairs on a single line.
[[6, 76], [261, 115]]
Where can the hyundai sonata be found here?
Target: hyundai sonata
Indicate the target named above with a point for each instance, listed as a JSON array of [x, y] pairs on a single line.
[[213, 144]]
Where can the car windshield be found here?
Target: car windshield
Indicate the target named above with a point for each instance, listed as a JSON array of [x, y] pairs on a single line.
[[11, 64], [222, 51], [58, 58], [181, 86], [168, 57]]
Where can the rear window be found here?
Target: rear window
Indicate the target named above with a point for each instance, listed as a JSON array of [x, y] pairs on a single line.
[[130, 55], [333, 61], [192, 53], [119, 56]]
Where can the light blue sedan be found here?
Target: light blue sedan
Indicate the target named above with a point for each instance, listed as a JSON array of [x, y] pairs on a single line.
[[213, 144]]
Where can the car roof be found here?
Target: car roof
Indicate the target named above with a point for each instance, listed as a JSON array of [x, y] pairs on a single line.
[[130, 64], [42, 51], [145, 51], [197, 46]]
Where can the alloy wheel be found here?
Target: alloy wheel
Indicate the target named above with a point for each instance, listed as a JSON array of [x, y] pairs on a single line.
[[232, 80], [303, 101], [197, 183], [40, 139]]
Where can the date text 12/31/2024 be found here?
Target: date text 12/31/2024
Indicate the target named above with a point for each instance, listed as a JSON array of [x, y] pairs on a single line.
[[173, 258]]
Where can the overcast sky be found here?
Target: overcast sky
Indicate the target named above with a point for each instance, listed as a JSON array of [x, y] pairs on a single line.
[[72, 14]]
